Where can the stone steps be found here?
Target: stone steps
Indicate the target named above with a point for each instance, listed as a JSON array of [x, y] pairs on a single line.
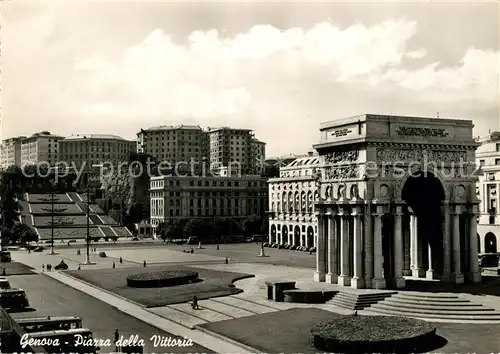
[[358, 301], [228, 310], [177, 316], [211, 310], [244, 304], [434, 307]]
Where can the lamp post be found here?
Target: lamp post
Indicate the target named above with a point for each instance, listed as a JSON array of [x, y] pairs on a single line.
[[87, 238], [264, 215], [52, 201]]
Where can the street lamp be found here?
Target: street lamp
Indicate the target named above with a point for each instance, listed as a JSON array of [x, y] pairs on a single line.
[[265, 214], [87, 238], [52, 202]]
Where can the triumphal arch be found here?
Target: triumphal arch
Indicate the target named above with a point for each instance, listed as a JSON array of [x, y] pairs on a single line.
[[397, 198]]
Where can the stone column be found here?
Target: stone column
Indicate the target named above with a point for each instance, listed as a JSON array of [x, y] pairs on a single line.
[[413, 238], [368, 240], [446, 276], [406, 249], [430, 271], [399, 281], [344, 277], [378, 276], [357, 281], [475, 274], [417, 270], [319, 275], [457, 275], [332, 275]]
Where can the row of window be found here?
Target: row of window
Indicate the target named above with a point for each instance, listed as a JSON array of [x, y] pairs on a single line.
[[211, 212]]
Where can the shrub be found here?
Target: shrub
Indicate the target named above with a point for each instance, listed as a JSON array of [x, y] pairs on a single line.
[[371, 334], [161, 279]]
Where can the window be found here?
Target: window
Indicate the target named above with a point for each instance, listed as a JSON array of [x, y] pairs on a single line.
[[498, 147], [481, 163], [497, 161]]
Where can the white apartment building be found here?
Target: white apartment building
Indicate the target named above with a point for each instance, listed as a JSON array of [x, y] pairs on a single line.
[[487, 190], [95, 149], [40, 147], [10, 152], [232, 148], [177, 145], [176, 197], [292, 217]]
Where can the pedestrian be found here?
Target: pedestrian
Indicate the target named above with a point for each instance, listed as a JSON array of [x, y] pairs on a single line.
[[217, 247], [194, 305], [48, 267], [3, 272], [79, 267], [192, 251], [43, 267], [117, 336], [114, 265], [121, 260], [227, 260], [78, 252], [144, 264]]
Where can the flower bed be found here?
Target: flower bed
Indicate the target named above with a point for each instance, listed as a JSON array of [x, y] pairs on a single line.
[[368, 334], [161, 279]]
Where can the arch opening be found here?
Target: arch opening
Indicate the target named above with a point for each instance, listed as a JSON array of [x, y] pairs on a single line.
[[284, 235], [490, 243], [310, 236]]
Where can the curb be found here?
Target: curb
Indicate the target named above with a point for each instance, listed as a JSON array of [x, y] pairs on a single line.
[[227, 339]]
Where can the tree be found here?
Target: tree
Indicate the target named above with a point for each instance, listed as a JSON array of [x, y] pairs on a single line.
[[29, 235], [193, 227], [251, 225]]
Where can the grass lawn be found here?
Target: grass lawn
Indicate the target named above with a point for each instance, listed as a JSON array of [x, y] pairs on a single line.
[[15, 268], [288, 331], [215, 283]]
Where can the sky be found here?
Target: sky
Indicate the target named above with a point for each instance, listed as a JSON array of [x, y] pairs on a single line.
[[279, 68]]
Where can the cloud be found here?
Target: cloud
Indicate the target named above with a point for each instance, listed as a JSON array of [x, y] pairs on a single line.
[[210, 75]]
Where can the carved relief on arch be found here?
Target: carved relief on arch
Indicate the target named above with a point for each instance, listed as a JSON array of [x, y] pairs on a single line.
[[384, 191], [460, 193], [354, 192], [341, 193]]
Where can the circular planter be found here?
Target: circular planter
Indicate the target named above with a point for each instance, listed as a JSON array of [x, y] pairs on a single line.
[[161, 279], [368, 334]]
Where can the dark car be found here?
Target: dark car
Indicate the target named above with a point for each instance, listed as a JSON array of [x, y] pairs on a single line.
[[38, 249], [14, 299], [488, 260], [5, 256]]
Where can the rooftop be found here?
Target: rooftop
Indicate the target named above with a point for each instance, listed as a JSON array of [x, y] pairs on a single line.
[[304, 161], [214, 129], [172, 127], [94, 137], [44, 134]]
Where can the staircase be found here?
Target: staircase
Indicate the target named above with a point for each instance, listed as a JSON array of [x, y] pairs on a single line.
[[433, 306], [359, 301]]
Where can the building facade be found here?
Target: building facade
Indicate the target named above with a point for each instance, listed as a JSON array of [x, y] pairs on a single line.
[[175, 197], [488, 160], [40, 147], [235, 149], [397, 197], [292, 217], [95, 149], [177, 145], [10, 152]]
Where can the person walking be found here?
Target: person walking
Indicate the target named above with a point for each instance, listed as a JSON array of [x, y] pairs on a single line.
[[144, 264], [43, 268], [114, 265], [117, 336], [121, 260], [227, 260], [195, 303]]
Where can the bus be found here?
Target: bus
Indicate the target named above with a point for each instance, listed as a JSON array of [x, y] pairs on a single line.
[[67, 341], [14, 299], [43, 324]]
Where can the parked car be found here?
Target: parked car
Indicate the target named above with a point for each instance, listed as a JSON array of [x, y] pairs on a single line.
[[488, 260], [38, 249], [5, 256], [4, 284], [61, 266]]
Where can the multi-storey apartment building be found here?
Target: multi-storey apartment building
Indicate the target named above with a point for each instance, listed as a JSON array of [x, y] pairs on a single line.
[[176, 145], [259, 153], [175, 197], [10, 152], [40, 147], [292, 217], [95, 149], [234, 149], [487, 190]]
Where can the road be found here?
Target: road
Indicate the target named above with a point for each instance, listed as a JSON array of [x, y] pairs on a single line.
[[52, 298]]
